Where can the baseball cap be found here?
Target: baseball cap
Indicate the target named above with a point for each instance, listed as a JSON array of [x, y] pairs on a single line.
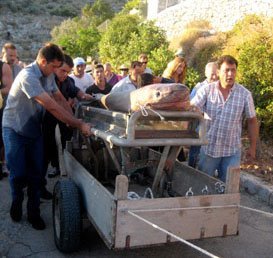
[[78, 61]]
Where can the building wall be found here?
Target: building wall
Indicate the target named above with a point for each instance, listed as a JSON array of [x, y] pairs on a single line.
[[173, 15]]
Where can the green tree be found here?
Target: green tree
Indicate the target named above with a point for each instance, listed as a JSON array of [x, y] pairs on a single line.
[[97, 13], [251, 43], [80, 36], [127, 36], [77, 40]]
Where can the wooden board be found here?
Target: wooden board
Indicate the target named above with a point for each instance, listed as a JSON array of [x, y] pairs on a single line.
[[99, 204], [206, 216], [150, 134]]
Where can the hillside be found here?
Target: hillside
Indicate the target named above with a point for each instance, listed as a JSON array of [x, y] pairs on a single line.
[[27, 23]]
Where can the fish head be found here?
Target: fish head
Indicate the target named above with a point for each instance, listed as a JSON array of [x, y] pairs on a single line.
[[171, 96]]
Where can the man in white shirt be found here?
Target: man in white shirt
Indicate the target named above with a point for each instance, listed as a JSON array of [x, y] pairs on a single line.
[[82, 79]]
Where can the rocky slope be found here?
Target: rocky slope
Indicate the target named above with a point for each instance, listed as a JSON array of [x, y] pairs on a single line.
[[27, 23]]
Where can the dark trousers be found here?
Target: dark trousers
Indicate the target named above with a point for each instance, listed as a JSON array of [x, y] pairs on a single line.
[[50, 146], [24, 157], [193, 156]]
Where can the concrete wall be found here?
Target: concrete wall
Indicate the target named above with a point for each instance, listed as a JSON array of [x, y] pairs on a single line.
[[221, 14]]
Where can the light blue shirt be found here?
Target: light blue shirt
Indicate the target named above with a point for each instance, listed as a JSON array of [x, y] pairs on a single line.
[[22, 112], [124, 85]]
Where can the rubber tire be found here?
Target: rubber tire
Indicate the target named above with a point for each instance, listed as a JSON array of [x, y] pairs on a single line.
[[67, 219]]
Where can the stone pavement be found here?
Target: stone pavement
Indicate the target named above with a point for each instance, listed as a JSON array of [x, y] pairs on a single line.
[[255, 186], [20, 240]]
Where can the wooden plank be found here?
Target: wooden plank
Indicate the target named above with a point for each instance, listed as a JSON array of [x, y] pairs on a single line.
[[233, 180], [202, 219], [152, 134], [98, 202], [160, 169], [121, 187]]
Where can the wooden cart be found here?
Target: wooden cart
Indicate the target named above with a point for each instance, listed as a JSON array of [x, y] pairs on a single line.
[[183, 201]]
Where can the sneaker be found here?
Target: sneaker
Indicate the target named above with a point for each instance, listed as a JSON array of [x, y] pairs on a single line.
[[45, 194], [36, 222], [16, 211], [54, 173]]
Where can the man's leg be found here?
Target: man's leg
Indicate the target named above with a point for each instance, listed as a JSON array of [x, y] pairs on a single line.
[[207, 163], [35, 162], [15, 158], [48, 126], [226, 162], [193, 156]]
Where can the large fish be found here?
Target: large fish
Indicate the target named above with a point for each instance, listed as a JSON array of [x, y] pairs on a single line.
[[171, 96]]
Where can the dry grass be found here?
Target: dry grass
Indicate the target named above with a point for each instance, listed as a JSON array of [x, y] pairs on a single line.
[[262, 167]]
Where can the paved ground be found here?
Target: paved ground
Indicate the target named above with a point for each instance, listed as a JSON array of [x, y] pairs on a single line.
[[20, 240]]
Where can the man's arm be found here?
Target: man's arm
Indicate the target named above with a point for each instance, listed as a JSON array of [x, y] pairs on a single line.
[[6, 79], [83, 96], [60, 99], [61, 114], [253, 132]]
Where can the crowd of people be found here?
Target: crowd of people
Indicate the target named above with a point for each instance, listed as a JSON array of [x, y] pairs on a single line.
[[44, 94]]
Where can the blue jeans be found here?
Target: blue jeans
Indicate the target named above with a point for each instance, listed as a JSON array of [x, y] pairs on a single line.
[[24, 158], [209, 164], [193, 156]]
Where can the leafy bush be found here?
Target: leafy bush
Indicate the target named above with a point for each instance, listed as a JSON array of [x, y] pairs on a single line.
[[192, 77], [159, 58], [97, 13], [127, 36], [65, 11], [205, 50], [80, 35], [251, 43]]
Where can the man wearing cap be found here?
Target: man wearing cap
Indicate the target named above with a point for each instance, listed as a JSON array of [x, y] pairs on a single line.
[[82, 79], [124, 70]]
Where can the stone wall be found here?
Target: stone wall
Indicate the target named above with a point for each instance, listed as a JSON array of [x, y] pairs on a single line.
[[221, 14]]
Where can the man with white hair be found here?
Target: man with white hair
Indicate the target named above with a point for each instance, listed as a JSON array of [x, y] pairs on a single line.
[[82, 79], [211, 76]]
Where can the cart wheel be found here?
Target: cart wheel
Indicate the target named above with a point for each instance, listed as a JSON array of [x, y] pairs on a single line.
[[67, 221]]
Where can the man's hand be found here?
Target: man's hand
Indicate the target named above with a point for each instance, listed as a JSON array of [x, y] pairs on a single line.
[[251, 154], [98, 96], [88, 97], [86, 129]]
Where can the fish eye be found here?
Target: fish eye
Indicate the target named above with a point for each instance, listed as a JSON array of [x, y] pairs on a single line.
[[157, 94]]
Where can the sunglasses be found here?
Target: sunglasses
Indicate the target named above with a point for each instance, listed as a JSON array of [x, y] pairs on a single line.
[[144, 62]]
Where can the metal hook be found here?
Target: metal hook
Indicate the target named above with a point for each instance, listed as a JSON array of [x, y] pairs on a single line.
[[189, 192], [205, 190]]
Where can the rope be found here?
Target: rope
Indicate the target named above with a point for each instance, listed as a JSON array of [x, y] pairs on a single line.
[[147, 194], [174, 236], [144, 111]]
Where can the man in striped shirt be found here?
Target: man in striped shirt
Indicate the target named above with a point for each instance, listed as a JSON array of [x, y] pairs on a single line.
[[224, 103]]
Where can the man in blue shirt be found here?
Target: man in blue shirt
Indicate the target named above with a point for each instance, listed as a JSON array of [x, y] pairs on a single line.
[[33, 91]]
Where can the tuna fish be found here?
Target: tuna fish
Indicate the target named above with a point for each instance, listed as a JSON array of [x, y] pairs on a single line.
[[172, 96]]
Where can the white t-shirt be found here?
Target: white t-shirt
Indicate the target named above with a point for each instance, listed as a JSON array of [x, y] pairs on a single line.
[[84, 82]]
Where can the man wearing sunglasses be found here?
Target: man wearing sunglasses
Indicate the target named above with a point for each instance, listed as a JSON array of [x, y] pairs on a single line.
[[143, 59]]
